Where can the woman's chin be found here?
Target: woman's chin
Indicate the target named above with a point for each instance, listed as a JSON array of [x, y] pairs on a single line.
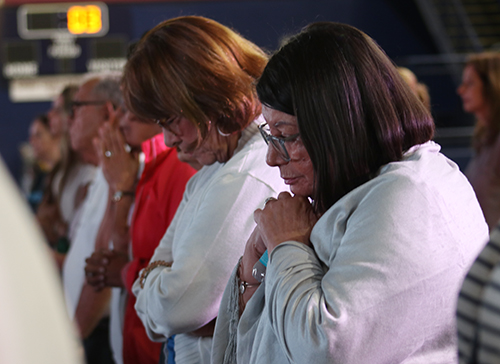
[[205, 158], [300, 190]]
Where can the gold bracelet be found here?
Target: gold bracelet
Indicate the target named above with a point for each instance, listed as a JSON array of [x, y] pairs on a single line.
[[145, 272]]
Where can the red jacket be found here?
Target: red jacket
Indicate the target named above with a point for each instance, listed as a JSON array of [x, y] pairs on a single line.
[[158, 194]]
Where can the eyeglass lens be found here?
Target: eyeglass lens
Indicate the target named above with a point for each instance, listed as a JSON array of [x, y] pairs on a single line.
[[276, 142]]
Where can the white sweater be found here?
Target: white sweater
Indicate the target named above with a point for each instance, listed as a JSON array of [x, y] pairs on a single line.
[[382, 281]]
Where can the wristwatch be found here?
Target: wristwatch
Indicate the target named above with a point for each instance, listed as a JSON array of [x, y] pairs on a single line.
[[119, 194]]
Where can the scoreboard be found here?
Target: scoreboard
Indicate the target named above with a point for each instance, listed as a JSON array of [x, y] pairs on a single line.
[[55, 44], [39, 21]]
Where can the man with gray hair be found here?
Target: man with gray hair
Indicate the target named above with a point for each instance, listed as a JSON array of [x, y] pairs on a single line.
[[95, 103]]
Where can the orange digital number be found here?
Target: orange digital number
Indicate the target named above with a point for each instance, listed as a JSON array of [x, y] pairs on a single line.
[[84, 19], [94, 20]]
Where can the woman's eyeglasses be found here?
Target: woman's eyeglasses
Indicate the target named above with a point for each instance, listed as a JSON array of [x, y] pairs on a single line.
[[277, 142], [169, 124]]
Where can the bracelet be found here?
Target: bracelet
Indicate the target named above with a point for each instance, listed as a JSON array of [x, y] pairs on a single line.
[[118, 195], [145, 272], [243, 285]]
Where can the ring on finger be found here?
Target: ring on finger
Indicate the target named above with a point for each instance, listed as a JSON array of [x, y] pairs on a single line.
[[269, 199]]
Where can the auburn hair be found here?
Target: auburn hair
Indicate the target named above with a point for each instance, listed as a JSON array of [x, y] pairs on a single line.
[[196, 68]]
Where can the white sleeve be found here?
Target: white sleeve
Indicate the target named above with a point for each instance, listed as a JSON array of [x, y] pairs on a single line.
[[187, 296]]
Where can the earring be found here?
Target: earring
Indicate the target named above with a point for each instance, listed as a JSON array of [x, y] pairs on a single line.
[[222, 133]]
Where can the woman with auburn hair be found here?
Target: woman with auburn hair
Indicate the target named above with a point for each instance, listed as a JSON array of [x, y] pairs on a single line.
[[196, 78], [370, 270], [206, 69], [480, 92]]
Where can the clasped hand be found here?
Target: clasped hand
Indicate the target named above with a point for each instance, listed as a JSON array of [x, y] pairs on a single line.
[[104, 268], [285, 218]]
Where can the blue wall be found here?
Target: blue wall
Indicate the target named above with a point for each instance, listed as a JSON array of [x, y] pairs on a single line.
[[263, 22]]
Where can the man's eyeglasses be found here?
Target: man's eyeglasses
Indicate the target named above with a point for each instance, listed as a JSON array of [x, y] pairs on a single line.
[[76, 104], [277, 142]]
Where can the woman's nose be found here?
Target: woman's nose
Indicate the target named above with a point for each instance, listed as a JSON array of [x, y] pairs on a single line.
[[170, 139], [273, 158]]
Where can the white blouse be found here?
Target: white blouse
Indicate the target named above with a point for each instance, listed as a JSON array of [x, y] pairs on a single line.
[[205, 240]]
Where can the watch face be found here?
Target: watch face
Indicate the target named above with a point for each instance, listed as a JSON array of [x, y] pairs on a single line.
[[117, 196]]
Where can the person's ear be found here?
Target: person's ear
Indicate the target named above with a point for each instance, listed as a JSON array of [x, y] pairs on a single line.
[[111, 114]]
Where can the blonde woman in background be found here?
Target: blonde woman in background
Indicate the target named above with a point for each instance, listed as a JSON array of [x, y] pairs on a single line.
[[418, 88]]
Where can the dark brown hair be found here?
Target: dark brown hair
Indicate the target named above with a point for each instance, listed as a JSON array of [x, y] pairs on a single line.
[[354, 111], [196, 68], [67, 95], [44, 120]]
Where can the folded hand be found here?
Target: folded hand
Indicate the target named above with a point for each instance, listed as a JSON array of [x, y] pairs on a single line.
[[104, 269], [284, 219]]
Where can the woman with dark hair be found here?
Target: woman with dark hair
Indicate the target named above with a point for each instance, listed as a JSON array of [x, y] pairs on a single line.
[[480, 93], [43, 156], [369, 271], [196, 78]]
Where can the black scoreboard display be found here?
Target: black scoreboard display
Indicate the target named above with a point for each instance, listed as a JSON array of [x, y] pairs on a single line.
[[49, 45], [41, 21]]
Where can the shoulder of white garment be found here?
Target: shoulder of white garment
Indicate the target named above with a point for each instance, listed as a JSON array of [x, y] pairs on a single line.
[[49, 333]]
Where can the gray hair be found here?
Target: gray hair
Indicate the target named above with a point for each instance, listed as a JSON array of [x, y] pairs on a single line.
[[108, 88]]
